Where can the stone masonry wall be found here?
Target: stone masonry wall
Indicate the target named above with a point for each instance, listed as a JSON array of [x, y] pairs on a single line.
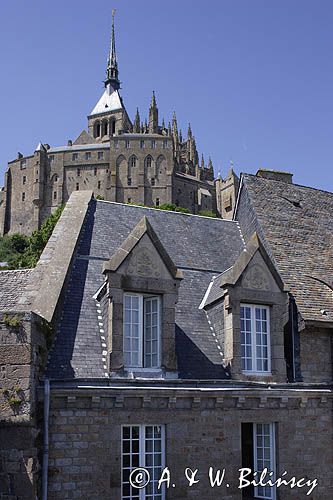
[[201, 431], [316, 355], [22, 352]]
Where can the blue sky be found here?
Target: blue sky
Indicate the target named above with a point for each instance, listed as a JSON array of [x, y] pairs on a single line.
[[254, 77]]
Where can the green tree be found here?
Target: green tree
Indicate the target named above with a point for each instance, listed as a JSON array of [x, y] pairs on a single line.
[[20, 251], [173, 208]]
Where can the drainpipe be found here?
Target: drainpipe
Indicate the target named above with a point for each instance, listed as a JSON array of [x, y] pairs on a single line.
[[46, 438], [293, 337]]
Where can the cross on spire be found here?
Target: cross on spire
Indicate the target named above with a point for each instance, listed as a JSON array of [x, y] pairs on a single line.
[[112, 65]]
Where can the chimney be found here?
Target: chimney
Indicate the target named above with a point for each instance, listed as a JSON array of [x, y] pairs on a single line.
[[275, 175]]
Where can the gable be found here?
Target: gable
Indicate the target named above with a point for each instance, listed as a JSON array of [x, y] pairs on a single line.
[[84, 138], [257, 275], [144, 261], [142, 230]]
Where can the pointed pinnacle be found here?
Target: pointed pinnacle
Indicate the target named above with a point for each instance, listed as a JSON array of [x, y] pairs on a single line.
[[153, 100]]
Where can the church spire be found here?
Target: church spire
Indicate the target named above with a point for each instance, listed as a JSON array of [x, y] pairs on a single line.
[[112, 67]]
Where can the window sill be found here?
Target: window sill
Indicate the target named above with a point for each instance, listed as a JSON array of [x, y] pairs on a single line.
[[145, 374], [258, 374]]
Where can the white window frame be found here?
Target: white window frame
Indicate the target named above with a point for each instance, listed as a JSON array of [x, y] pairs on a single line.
[[141, 493], [254, 357], [269, 493], [143, 299]]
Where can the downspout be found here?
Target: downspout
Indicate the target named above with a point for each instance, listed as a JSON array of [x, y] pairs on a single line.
[[46, 438], [293, 337]]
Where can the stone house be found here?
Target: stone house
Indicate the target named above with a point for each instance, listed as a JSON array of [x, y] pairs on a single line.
[[141, 162], [147, 338]]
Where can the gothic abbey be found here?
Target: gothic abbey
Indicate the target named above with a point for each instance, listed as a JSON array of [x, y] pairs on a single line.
[[141, 163]]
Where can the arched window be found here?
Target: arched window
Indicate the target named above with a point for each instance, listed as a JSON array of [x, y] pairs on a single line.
[[148, 161], [112, 127], [97, 129], [105, 128]]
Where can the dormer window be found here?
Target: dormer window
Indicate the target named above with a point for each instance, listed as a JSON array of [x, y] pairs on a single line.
[[142, 331], [255, 339]]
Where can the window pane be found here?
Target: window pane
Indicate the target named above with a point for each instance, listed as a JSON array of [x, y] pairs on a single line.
[[151, 331], [148, 455], [263, 442], [131, 330]]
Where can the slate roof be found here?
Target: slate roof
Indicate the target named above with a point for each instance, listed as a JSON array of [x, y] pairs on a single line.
[[295, 224], [108, 102], [200, 246], [13, 286]]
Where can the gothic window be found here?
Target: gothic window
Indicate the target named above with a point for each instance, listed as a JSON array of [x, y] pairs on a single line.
[[153, 144], [143, 446], [142, 331], [255, 339], [160, 166], [142, 144], [129, 181], [165, 144], [75, 156], [148, 161], [100, 155], [88, 155], [127, 144], [116, 144], [133, 161]]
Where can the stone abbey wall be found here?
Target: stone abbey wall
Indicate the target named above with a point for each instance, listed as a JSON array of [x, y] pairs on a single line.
[[130, 169]]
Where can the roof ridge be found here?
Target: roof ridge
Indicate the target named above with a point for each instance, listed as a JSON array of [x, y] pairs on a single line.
[[288, 184]]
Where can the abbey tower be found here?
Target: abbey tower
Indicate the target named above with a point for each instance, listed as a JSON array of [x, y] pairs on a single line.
[[120, 160]]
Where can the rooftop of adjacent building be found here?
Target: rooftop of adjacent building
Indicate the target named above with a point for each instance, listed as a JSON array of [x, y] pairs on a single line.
[[296, 225]]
